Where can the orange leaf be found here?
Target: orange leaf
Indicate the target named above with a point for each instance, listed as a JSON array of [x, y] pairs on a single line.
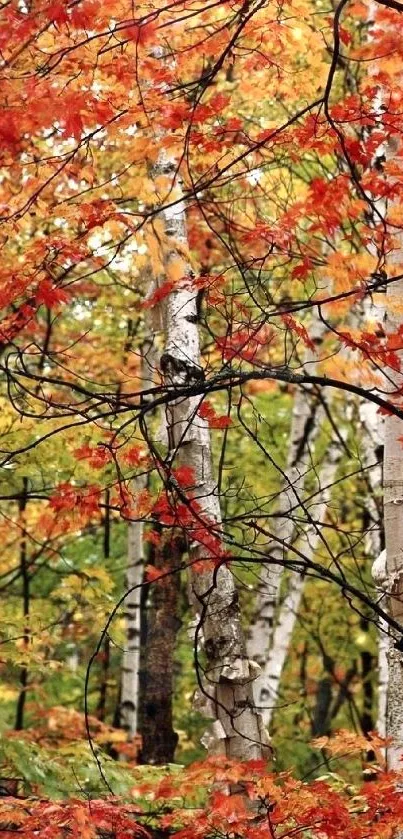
[[152, 573]]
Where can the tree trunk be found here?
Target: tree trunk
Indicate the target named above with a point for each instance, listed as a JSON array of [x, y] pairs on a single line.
[[393, 512], [227, 678], [25, 577], [129, 698], [106, 651], [373, 427], [306, 421], [129, 691], [158, 736], [268, 682], [367, 666], [380, 579], [305, 425]]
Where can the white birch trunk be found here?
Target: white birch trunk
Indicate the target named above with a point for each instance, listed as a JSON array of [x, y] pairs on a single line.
[[237, 731], [393, 513], [268, 683], [305, 424], [389, 566], [131, 653], [373, 427], [380, 579], [129, 696]]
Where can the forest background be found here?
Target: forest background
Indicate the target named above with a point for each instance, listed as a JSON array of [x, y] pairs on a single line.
[[201, 403]]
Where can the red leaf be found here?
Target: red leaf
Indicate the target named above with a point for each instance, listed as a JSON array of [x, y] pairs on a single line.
[[218, 102], [185, 475], [141, 34], [97, 456], [152, 537], [345, 36], [152, 573], [84, 14], [301, 271], [134, 456], [221, 422], [57, 12], [73, 125], [50, 295], [64, 497], [299, 329], [158, 295], [206, 411]]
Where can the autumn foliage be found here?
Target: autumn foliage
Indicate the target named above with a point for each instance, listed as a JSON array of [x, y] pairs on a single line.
[[201, 801], [274, 130]]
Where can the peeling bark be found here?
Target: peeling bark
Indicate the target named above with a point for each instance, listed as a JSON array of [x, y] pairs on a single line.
[[373, 427], [227, 677], [393, 513]]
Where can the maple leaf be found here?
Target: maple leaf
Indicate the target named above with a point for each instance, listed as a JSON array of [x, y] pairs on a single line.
[[64, 497], [83, 15], [185, 475], [299, 329], [97, 456], [57, 12], [153, 537], [206, 411], [300, 272], [9, 132], [158, 295], [245, 343], [50, 295], [164, 510], [134, 455], [231, 808], [140, 33], [152, 573], [73, 125]]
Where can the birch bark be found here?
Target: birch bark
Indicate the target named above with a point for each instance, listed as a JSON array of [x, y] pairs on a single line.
[[268, 682], [373, 429], [129, 692], [305, 424], [131, 653], [237, 730], [393, 516]]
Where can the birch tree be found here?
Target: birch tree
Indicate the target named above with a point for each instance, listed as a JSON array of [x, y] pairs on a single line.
[[268, 682], [306, 420], [393, 513], [129, 696], [129, 689], [228, 673]]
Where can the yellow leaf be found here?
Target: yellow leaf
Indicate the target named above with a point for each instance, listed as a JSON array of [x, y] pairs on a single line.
[[176, 270]]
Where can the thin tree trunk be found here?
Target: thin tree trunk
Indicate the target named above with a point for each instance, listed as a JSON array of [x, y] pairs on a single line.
[[388, 568], [306, 421], [24, 568], [268, 683], [380, 579], [305, 426], [367, 666], [129, 698], [106, 651], [129, 694], [393, 511], [158, 736], [373, 426]]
